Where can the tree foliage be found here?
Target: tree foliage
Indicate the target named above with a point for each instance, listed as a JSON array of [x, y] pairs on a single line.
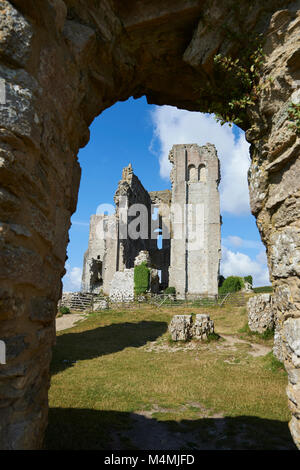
[[141, 278], [231, 284], [249, 279]]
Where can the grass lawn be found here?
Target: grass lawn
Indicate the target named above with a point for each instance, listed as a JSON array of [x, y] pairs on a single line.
[[119, 383]]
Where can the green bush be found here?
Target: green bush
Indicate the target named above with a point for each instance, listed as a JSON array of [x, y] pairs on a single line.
[[141, 278], [64, 310], [231, 284], [263, 289], [248, 279], [170, 290]]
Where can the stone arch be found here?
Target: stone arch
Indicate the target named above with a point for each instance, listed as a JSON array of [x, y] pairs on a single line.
[[65, 66]]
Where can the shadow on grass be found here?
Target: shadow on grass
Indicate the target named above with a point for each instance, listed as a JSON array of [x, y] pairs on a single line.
[[89, 344], [112, 430]]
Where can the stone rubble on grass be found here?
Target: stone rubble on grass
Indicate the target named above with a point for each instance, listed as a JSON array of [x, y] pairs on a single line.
[[202, 327], [182, 327]]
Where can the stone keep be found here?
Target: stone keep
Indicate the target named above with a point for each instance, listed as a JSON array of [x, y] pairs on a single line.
[[188, 220], [196, 237], [110, 250]]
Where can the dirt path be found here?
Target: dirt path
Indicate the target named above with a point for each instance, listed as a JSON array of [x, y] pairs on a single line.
[[256, 349], [67, 321], [226, 342]]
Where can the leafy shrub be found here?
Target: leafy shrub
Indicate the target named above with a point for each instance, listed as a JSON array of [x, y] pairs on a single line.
[[141, 278], [231, 284], [248, 279], [240, 80], [170, 290], [263, 289], [64, 310], [294, 115]]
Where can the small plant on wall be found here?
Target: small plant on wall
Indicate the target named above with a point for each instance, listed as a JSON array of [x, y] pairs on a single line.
[[236, 79], [141, 278], [294, 116], [240, 77]]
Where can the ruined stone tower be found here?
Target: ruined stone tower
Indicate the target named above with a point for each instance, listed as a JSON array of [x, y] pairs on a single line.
[[188, 221], [195, 220]]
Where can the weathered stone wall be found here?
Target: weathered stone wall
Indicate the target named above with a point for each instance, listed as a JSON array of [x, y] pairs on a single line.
[[196, 234], [260, 313], [275, 187], [161, 256], [122, 286], [100, 259], [131, 191], [66, 61], [111, 247]]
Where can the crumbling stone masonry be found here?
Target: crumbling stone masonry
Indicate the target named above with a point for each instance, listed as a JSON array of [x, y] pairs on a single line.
[[182, 327], [196, 252], [260, 313], [111, 249], [262, 317], [188, 219], [64, 62]]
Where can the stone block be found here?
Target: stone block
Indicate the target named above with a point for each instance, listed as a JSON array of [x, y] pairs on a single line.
[[181, 327], [202, 327]]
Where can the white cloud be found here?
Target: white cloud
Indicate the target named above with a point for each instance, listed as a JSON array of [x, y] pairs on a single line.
[[72, 279], [240, 264], [238, 242], [78, 222], [175, 126]]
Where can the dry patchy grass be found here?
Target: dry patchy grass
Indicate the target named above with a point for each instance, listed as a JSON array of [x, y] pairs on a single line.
[[116, 381]]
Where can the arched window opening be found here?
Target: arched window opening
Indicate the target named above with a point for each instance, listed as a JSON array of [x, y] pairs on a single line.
[[202, 173], [192, 174]]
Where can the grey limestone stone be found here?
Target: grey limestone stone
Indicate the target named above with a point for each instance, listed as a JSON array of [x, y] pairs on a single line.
[[181, 327], [260, 313]]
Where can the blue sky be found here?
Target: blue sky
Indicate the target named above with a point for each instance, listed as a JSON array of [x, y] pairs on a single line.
[[141, 134]]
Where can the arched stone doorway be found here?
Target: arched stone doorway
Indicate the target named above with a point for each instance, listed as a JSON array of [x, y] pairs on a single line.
[[63, 63]]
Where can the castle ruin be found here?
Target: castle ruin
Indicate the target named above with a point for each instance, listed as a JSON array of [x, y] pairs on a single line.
[[66, 61], [186, 219]]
